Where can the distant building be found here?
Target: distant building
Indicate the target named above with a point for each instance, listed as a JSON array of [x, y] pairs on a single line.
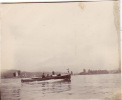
[[89, 72], [84, 70], [10, 73]]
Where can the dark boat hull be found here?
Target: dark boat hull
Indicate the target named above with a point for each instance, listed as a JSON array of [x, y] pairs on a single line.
[[64, 77]]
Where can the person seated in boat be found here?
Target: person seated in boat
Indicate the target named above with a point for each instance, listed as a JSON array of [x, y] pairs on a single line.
[[43, 76], [47, 75], [59, 74], [53, 74], [50, 75]]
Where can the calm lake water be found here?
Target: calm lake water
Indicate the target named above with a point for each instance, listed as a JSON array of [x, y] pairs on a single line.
[[82, 87]]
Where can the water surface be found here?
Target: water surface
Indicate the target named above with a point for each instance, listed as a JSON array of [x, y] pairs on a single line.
[[83, 87]]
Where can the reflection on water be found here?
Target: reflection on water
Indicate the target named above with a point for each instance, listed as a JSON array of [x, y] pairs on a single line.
[[44, 89], [47, 87], [80, 87]]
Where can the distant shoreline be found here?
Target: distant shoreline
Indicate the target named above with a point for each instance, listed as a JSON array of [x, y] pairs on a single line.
[[73, 75]]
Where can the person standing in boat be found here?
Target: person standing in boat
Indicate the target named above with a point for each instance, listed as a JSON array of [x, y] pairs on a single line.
[[53, 73], [68, 70], [43, 76]]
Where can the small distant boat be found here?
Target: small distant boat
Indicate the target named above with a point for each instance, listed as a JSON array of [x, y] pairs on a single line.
[[63, 77]]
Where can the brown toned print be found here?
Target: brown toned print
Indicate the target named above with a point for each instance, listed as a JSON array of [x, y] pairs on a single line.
[[65, 51]]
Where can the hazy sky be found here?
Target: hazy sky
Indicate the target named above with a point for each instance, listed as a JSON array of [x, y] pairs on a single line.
[[57, 36]]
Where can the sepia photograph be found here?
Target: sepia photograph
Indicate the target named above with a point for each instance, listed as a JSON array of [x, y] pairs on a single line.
[[60, 50]]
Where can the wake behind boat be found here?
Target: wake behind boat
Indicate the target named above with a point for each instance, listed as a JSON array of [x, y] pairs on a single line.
[[54, 77]]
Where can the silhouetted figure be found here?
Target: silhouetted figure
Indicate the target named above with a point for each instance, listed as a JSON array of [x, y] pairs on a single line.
[[68, 70], [53, 73], [43, 76], [59, 75], [84, 70], [14, 74], [50, 75]]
